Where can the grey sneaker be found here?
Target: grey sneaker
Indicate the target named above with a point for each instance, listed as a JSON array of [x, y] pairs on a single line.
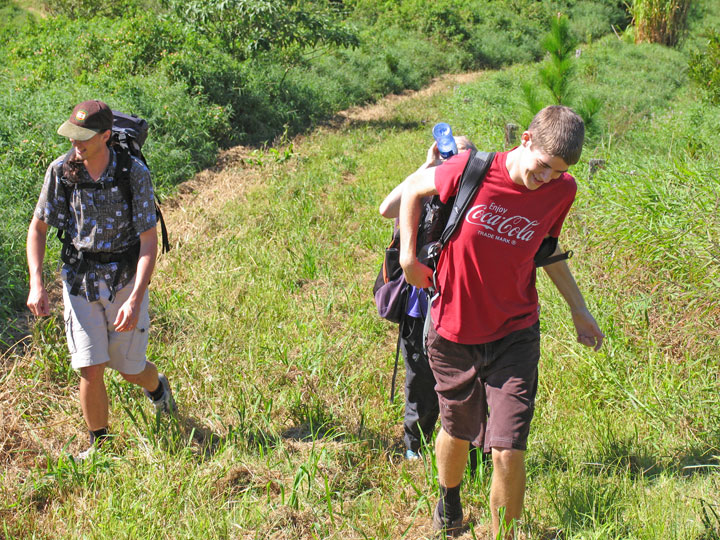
[[445, 524], [166, 404], [98, 443], [85, 454]]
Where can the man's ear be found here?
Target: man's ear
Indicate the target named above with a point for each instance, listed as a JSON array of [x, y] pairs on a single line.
[[526, 139]]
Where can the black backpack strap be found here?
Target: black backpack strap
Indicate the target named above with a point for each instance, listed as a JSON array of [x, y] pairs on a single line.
[[473, 175], [470, 181], [397, 356], [556, 258], [68, 250], [545, 253], [122, 175], [163, 228], [68, 253]]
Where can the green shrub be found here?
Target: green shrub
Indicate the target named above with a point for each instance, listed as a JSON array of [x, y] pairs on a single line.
[[493, 32], [591, 20], [83, 9], [704, 67], [248, 28], [607, 72], [11, 15]]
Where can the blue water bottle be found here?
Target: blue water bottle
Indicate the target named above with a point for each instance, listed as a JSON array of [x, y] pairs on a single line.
[[445, 142]]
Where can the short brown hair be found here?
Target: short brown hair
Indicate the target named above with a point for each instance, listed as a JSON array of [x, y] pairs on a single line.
[[558, 131]]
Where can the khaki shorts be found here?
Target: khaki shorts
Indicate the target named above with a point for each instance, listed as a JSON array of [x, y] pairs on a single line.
[[92, 338], [487, 392]]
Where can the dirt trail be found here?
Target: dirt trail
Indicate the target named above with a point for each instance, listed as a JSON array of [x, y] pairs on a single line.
[[236, 170]]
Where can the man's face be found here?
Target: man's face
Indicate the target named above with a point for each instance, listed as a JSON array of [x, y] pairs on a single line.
[[92, 148], [537, 168]]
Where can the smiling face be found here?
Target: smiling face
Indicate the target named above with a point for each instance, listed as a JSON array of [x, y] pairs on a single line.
[[533, 168], [92, 149]]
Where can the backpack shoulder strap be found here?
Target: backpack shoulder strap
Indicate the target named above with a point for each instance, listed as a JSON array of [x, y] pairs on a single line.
[[122, 175], [163, 228], [473, 175], [62, 235]]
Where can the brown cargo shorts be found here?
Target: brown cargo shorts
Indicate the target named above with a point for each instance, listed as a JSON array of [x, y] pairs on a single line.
[[487, 392]]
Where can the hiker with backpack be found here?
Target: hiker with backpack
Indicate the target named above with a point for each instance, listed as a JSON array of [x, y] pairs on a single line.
[[102, 200], [421, 403], [483, 337]]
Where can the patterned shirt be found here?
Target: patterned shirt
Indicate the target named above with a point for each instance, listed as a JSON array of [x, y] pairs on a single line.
[[99, 220]]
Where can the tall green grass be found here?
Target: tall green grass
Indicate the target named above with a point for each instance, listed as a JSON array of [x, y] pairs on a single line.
[[659, 21]]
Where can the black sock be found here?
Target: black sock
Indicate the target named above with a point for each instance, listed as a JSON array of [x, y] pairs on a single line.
[[158, 392], [98, 437], [450, 506]]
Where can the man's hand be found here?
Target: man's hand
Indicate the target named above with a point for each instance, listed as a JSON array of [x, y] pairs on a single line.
[[129, 313], [432, 159], [588, 331], [418, 275], [38, 301], [127, 317]]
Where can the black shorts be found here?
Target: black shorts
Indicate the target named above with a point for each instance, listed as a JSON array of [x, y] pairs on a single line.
[[487, 392]]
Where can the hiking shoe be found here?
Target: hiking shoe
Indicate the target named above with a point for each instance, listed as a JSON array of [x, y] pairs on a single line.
[[98, 440], [446, 524], [86, 454], [166, 404], [411, 455]]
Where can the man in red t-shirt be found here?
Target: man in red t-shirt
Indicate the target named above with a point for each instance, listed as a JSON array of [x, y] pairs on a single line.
[[484, 343]]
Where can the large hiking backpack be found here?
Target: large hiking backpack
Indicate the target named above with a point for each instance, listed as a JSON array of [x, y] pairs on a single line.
[[128, 135], [438, 221]]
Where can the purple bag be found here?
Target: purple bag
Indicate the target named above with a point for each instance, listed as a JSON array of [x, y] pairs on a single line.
[[391, 289]]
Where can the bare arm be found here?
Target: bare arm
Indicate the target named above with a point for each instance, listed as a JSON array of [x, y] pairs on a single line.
[[129, 312], [588, 331], [418, 185], [390, 207], [37, 301]]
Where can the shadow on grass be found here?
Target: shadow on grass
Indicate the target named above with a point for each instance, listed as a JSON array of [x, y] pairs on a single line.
[[314, 423], [339, 121], [693, 460], [206, 442], [14, 334], [626, 456]]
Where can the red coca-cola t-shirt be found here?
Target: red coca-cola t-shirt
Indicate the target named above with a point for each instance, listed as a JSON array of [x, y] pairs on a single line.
[[486, 272]]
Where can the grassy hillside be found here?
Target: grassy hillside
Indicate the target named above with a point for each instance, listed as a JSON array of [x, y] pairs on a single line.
[[264, 323], [201, 93]]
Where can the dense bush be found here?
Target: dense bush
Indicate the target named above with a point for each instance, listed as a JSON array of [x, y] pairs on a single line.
[[705, 67], [493, 33], [246, 28], [76, 9]]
